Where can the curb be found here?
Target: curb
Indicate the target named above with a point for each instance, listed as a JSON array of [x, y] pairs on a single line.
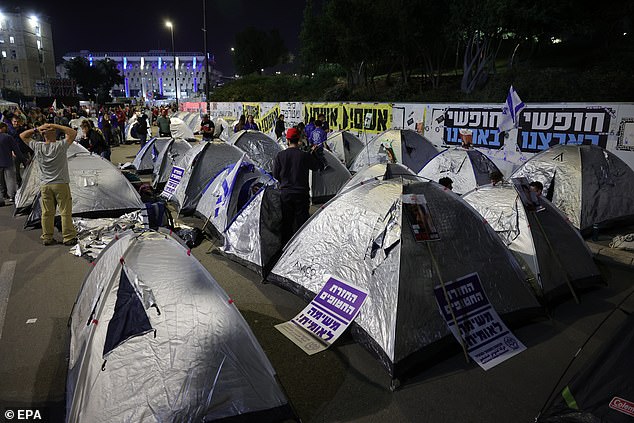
[[609, 255]]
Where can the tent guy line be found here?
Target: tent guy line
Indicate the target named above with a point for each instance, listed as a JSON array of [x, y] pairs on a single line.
[[6, 281]]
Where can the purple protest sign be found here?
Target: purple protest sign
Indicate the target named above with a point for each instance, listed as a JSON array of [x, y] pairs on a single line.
[[326, 317]]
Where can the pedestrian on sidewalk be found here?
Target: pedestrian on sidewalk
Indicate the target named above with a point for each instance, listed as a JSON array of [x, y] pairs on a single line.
[[8, 150]]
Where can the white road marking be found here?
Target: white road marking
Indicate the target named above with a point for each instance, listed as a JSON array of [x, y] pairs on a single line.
[[6, 281]]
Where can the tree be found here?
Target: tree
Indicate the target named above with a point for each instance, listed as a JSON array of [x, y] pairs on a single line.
[[257, 49], [94, 82]]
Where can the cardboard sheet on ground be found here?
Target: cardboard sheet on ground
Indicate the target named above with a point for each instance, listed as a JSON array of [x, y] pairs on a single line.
[[326, 317], [487, 339], [173, 182]]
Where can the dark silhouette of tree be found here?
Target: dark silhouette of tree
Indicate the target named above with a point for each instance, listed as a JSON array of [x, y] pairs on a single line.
[[256, 49], [94, 82]]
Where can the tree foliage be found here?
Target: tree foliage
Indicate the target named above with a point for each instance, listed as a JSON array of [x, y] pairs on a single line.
[[94, 82], [469, 38], [256, 49]]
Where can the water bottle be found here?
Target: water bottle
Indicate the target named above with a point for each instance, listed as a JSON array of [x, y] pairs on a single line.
[[595, 232]]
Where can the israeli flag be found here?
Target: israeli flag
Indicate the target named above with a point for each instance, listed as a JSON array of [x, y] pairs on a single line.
[[511, 111]]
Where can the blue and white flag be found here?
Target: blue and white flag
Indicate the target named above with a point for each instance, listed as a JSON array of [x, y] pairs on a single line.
[[511, 111]]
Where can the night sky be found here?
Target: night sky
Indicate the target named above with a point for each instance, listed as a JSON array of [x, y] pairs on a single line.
[[139, 25]]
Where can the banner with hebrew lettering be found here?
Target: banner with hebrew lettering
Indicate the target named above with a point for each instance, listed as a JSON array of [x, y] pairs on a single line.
[[474, 322], [326, 317]]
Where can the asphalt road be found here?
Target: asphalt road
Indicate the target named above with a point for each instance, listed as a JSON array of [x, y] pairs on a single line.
[[344, 383]]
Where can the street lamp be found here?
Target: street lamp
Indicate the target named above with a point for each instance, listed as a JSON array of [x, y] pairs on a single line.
[[171, 27], [206, 57]]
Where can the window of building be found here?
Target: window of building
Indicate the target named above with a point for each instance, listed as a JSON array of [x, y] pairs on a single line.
[[14, 54], [4, 53], [1, 40], [37, 30], [15, 69], [12, 40], [39, 44]]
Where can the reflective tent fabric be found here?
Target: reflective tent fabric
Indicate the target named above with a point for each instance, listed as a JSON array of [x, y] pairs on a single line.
[[602, 391], [170, 156], [31, 182], [260, 148], [201, 166], [200, 366], [467, 169], [362, 237], [148, 154], [130, 123], [381, 172], [402, 146], [98, 189], [180, 130], [548, 247], [325, 183], [587, 183], [345, 146]]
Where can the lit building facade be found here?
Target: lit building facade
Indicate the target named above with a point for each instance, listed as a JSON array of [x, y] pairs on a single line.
[[148, 73], [27, 58]]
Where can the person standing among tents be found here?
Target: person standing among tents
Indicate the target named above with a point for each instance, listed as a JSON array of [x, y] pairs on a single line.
[[280, 127], [51, 158], [93, 140], [308, 129], [251, 124], [290, 168], [8, 149], [207, 128], [19, 126], [324, 122], [141, 129], [240, 125], [163, 123], [317, 140]]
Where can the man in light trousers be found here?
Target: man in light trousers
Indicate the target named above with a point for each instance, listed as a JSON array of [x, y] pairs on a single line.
[[50, 156]]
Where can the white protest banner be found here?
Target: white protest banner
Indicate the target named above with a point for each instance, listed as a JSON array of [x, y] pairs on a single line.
[[172, 182], [485, 336], [326, 317]]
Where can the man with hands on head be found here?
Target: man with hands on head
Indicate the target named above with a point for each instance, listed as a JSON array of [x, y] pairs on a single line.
[[50, 156]]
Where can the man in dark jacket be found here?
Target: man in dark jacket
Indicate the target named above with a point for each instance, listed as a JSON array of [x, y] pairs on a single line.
[[93, 140], [291, 168], [141, 130], [8, 148], [280, 127]]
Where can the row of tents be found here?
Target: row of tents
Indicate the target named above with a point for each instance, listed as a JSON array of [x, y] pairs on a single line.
[[368, 234]]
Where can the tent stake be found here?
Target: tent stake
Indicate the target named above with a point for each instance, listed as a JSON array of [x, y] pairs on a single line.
[[444, 290]]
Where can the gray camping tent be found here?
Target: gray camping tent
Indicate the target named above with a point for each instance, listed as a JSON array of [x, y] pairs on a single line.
[[549, 248], [260, 148], [345, 146], [31, 182], [367, 236], [98, 189], [396, 146], [381, 172], [587, 183], [147, 156], [324, 184], [201, 164], [243, 206], [467, 169], [167, 159], [155, 338]]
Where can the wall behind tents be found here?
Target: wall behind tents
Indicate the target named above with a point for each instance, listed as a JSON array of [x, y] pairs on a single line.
[[542, 125]]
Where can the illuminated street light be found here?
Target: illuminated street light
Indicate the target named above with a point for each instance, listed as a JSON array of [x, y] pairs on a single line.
[[171, 27], [233, 49]]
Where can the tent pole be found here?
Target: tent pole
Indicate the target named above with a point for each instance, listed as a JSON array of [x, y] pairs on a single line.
[[444, 290], [552, 250]]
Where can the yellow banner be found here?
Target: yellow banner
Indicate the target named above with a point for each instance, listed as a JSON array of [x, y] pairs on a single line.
[[252, 109], [352, 116], [267, 122]]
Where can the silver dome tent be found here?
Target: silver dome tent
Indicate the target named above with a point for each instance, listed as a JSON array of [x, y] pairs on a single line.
[[402, 146], [260, 148], [98, 189], [201, 164], [153, 337], [467, 169], [242, 206], [148, 154], [549, 248], [31, 182], [366, 237], [587, 183], [345, 146], [381, 172], [325, 183], [167, 159]]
